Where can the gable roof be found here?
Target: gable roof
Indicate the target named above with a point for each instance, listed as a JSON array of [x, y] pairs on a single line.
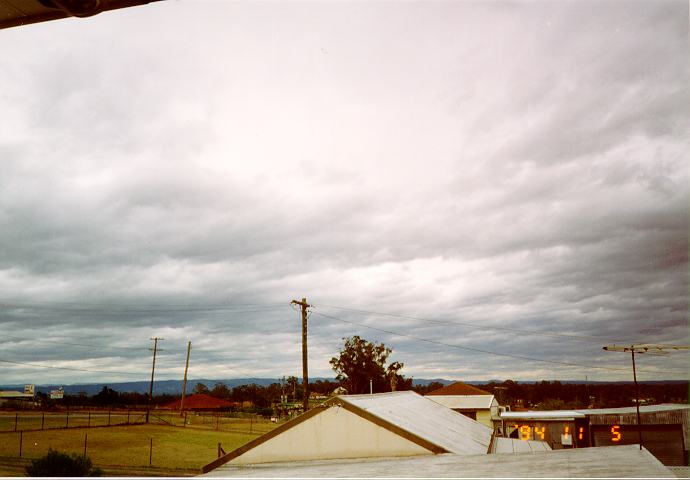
[[458, 388], [407, 414], [453, 432], [200, 401]]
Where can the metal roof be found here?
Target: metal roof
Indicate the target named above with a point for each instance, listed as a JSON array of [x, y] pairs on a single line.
[[543, 415], [427, 419], [469, 402], [572, 414], [436, 428], [623, 461], [664, 407], [513, 445]]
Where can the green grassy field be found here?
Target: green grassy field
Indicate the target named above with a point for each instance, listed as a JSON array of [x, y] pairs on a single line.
[[124, 450]]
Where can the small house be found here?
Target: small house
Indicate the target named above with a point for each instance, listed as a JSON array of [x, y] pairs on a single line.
[[468, 400]]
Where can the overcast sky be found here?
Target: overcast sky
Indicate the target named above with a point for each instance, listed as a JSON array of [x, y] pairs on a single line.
[[493, 189]]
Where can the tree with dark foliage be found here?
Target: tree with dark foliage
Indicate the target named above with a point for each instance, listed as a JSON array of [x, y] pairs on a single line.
[[361, 361]]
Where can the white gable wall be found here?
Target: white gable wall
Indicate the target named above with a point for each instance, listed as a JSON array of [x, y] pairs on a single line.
[[334, 433]]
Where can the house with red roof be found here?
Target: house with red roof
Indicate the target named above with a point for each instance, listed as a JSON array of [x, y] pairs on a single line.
[[202, 402], [471, 401]]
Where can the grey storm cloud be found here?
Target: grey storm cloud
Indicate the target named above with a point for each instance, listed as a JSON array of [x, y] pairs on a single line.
[[480, 185]]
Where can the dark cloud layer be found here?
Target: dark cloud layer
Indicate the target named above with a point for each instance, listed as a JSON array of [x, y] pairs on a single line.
[[503, 177]]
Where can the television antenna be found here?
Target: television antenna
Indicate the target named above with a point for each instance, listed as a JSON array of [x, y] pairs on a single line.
[[648, 349]]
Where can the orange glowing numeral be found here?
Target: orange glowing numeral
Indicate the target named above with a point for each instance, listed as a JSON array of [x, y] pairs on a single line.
[[540, 432], [566, 432], [615, 434], [580, 435], [525, 432]]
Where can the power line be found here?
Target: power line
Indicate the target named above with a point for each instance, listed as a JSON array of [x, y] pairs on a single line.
[[6, 302], [478, 350], [108, 347], [474, 325]]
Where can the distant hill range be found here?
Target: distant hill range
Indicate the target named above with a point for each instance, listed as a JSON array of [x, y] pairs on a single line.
[[174, 387]]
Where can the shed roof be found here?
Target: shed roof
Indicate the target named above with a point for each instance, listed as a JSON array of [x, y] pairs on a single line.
[[513, 445], [465, 402], [422, 421], [458, 388], [663, 407], [543, 415], [423, 417], [572, 414], [622, 461]]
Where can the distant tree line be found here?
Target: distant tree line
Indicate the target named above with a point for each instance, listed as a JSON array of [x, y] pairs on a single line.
[[554, 395], [544, 395]]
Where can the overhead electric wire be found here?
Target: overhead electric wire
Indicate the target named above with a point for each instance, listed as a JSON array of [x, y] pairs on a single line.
[[489, 352], [483, 327], [108, 347]]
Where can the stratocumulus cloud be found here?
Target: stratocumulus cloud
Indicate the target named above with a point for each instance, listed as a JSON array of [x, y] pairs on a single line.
[[478, 185]]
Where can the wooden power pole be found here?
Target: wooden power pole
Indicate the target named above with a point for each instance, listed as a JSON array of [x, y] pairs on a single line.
[[184, 382], [153, 369], [305, 373]]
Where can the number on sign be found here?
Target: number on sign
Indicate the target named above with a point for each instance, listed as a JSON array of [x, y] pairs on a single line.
[[615, 434]]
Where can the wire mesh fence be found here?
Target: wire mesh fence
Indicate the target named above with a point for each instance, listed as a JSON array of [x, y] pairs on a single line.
[[219, 421]]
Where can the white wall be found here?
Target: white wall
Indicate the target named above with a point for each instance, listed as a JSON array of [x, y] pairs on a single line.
[[335, 433]]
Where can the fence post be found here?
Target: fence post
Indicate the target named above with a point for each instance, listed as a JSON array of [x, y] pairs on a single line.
[[88, 424], [21, 440], [185, 419], [151, 451], [43, 419], [16, 416], [86, 435]]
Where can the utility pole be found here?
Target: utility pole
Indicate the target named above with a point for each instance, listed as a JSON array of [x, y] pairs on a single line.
[[650, 350], [184, 382], [305, 374], [153, 369]]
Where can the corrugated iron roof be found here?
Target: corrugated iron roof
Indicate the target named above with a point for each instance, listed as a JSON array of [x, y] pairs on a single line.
[[543, 415], [623, 461], [458, 388], [664, 407], [571, 414], [513, 445], [427, 419]]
